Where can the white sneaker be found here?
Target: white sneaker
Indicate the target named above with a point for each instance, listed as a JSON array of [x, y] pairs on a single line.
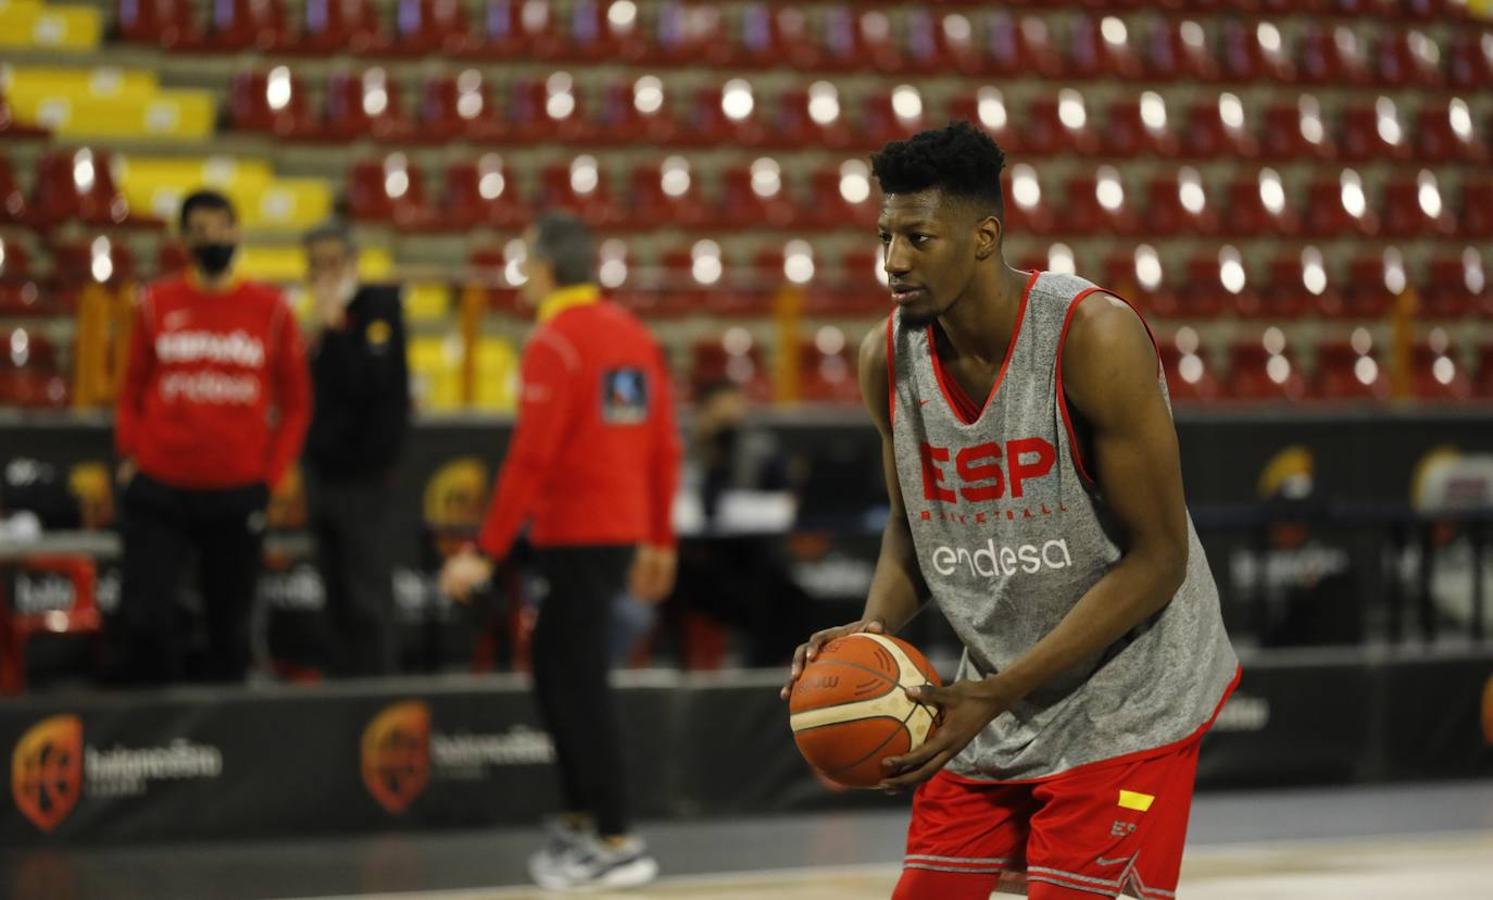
[[594, 864], [562, 841]]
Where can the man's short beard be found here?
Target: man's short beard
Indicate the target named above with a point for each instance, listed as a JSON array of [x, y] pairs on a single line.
[[917, 320], [923, 320]]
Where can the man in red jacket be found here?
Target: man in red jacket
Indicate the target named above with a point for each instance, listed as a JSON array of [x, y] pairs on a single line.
[[212, 411], [592, 467]]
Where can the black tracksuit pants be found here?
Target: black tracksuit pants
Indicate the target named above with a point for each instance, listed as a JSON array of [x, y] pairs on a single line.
[[570, 655], [164, 528], [351, 524]]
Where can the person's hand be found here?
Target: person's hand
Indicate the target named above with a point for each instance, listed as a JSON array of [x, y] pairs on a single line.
[[965, 708], [463, 572], [126, 472], [652, 576], [807, 651]]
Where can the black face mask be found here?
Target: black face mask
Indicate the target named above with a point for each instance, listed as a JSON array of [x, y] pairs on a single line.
[[213, 259]]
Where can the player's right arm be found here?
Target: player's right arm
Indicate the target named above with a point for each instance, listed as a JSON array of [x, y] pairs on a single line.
[[897, 589]]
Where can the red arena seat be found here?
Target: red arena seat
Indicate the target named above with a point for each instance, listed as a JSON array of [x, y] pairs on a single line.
[[755, 196], [390, 190], [1189, 375], [666, 195], [1435, 371], [1300, 286], [582, 187], [1475, 212], [1259, 205], [892, 115], [237, 25], [163, 23], [432, 26], [1219, 127], [1339, 207], [1374, 283], [1180, 51], [1296, 131], [1470, 58], [841, 197], [274, 102], [481, 194], [1456, 286], [79, 184], [332, 27], [636, 112], [1264, 370], [365, 104], [812, 118], [1349, 371]]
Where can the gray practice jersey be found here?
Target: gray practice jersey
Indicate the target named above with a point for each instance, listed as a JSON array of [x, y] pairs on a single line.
[[1011, 533]]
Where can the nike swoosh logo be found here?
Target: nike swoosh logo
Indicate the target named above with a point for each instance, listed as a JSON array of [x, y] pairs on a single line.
[[1101, 861], [924, 402]]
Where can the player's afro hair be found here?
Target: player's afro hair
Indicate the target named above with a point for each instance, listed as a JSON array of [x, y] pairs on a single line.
[[959, 159]]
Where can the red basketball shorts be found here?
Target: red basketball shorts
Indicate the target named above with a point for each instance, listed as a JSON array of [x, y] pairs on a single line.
[[1108, 829]]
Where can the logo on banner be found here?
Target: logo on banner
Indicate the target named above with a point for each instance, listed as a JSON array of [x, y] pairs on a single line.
[[52, 768], [46, 770], [396, 755], [453, 501], [403, 752]]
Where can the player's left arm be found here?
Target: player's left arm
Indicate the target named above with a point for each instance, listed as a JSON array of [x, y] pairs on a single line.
[[1109, 376]]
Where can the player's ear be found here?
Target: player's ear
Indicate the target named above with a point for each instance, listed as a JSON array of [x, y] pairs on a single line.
[[987, 237]]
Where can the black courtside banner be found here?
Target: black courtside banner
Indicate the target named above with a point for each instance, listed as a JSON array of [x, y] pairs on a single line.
[[468, 752]]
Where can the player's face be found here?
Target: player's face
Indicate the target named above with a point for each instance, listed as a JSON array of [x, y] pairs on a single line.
[[328, 258], [929, 246], [209, 226]]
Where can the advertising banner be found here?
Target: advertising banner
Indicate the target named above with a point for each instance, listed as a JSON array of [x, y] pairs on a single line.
[[467, 752]]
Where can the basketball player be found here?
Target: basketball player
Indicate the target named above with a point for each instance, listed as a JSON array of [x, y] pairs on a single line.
[[1036, 497]]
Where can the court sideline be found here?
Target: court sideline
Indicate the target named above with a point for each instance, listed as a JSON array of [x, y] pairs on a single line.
[[1360, 842]]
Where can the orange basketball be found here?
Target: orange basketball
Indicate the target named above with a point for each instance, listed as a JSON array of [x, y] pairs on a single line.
[[848, 709]]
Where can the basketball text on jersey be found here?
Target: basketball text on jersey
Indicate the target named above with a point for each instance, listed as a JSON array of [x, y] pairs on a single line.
[[977, 474]]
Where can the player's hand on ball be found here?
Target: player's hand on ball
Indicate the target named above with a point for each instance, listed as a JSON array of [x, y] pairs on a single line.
[[463, 572], [807, 651], [965, 708]]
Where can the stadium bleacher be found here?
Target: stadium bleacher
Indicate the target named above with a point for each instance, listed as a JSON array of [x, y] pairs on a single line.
[[1233, 174]]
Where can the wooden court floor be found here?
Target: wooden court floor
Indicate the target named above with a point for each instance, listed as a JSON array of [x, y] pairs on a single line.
[[1446, 867]]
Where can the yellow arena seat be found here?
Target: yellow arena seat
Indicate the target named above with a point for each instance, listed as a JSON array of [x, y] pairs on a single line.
[[427, 302], [435, 372], [286, 264], [159, 183], [25, 24], [103, 82], [177, 114], [496, 387], [285, 204], [106, 103], [264, 202]]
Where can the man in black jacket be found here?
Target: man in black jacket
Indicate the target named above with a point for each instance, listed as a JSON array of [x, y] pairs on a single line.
[[356, 341]]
